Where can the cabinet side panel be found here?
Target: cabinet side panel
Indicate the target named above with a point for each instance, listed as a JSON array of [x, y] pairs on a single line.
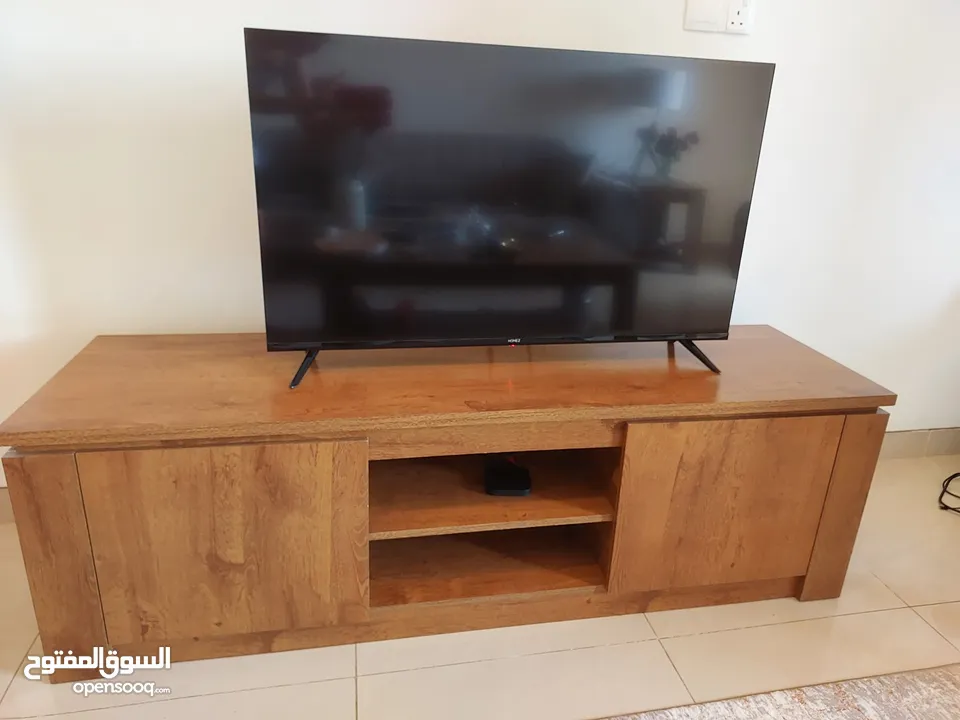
[[350, 530], [651, 458], [52, 526], [850, 482]]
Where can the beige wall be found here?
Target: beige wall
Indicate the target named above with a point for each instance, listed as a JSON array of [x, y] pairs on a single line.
[[127, 201]]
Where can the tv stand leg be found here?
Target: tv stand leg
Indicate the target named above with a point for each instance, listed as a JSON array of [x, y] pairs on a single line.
[[304, 366], [696, 352]]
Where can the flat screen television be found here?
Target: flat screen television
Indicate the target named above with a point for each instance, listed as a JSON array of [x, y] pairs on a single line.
[[421, 193]]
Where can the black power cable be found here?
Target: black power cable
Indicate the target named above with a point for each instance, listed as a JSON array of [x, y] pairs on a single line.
[[952, 506]]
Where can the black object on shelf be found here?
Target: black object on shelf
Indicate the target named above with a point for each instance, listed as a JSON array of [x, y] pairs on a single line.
[[954, 504], [503, 476], [304, 366]]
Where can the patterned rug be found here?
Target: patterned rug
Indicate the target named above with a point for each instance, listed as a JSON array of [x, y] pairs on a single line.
[[920, 695]]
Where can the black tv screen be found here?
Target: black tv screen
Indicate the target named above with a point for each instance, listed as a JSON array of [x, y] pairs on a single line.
[[419, 193]]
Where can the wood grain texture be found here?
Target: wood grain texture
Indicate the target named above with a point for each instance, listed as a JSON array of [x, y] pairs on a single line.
[[715, 502], [224, 540], [454, 567], [478, 439], [648, 474], [157, 389], [726, 594], [394, 443], [846, 497], [442, 496], [605, 540], [401, 621], [48, 508]]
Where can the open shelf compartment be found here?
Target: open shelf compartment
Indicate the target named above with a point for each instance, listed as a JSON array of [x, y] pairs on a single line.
[[454, 567], [444, 495]]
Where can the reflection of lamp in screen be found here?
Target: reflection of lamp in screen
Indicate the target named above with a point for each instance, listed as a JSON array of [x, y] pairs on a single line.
[[674, 90]]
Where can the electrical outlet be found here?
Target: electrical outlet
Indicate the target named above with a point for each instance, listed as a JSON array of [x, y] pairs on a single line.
[[740, 16]]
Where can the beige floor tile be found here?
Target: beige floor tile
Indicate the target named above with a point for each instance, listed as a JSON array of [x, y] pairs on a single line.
[[905, 539], [434, 650], [6, 512], [946, 465], [330, 700], [15, 641], [10, 658], [566, 685], [18, 625], [862, 592], [775, 657], [188, 679], [945, 619]]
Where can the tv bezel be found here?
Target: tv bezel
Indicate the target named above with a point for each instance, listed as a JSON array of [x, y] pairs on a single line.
[[490, 342]]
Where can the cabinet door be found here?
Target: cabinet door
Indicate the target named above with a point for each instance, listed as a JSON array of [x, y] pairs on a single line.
[[200, 542], [725, 501]]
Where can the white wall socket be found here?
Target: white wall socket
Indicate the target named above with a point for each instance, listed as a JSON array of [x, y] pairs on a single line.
[[740, 16], [729, 16]]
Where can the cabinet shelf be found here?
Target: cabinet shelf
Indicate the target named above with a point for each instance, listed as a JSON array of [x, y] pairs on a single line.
[[442, 496], [452, 567]]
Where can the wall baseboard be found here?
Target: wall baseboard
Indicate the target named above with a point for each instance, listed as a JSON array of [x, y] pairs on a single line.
[[921, 443]]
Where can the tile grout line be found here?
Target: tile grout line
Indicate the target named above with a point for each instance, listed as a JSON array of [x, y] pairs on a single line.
[[509, 657], [936, 630], [892, 591], [787, 622], [655, 638], [677, 671], [828, 682], [13, 677], [932, 604]]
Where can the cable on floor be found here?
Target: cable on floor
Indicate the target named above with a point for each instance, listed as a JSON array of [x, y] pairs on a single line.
[[954, 504]]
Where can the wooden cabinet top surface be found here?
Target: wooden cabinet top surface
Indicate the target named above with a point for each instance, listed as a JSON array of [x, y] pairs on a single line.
[[123, 390]]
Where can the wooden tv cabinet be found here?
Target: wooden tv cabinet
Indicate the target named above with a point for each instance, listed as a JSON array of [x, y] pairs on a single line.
[[171, 490]]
